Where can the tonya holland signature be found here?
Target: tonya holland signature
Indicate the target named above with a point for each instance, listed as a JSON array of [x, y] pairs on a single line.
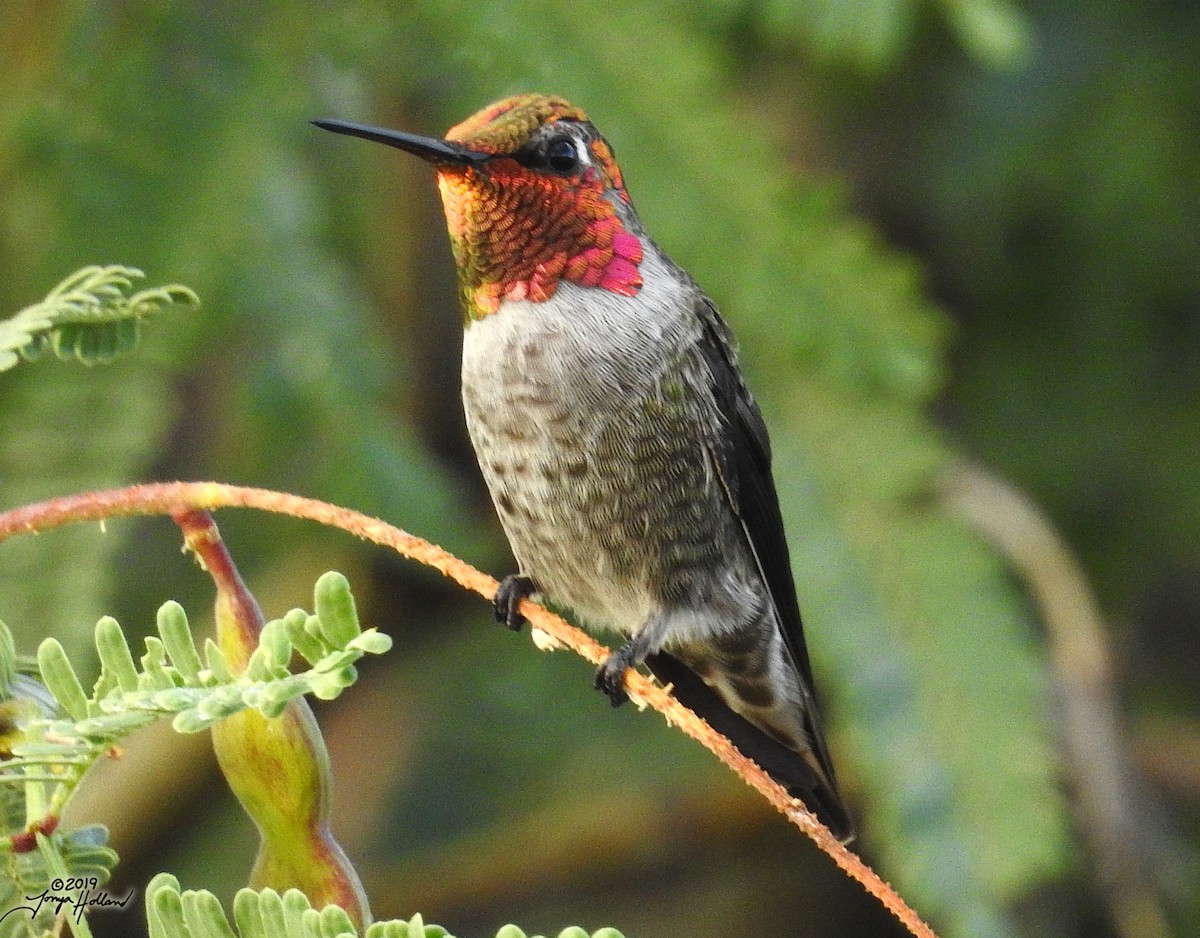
[[78, 894]]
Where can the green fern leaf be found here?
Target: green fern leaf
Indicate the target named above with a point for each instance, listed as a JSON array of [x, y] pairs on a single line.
[[173, 913], [90, 316], [51, 753]]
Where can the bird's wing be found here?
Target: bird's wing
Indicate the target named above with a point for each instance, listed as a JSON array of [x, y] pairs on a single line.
[[741, 455]]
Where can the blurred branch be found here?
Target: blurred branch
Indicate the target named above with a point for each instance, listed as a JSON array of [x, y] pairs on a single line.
[[548, 630], [1100, 767], [1168, 753]]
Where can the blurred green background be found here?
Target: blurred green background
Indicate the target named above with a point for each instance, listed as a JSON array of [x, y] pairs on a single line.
[[945, 229]]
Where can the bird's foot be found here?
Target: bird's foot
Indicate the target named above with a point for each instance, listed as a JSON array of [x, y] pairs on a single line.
[[610, 676], [512, 589]]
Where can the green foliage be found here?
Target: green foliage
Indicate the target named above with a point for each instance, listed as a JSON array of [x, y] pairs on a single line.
[[874, 35], [173, 679], [78, 854], [54, 754], [35, 851], [90, 317], [51, 753], [173, 913]]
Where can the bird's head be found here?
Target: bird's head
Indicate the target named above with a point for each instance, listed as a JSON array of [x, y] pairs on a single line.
[[533, 196]]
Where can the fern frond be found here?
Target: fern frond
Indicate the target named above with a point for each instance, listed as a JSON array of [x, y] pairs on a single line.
[[90, 316], [175, 913], [172, 680], [34, 851], [51, 752]]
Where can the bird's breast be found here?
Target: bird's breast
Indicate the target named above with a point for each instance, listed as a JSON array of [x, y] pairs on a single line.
[[590, 439]]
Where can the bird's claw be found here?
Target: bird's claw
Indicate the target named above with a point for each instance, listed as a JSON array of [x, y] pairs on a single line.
[[512, 589], [610, 678]]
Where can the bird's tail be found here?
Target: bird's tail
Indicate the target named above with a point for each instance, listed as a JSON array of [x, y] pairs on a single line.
[[786, 766]]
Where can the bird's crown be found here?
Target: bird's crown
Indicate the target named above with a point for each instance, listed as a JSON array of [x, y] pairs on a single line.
[[506, 126]]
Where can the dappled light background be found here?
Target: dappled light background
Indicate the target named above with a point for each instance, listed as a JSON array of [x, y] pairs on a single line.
[[960, 245]]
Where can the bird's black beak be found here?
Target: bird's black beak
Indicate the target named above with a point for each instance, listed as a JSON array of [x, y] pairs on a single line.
[[430, 149]]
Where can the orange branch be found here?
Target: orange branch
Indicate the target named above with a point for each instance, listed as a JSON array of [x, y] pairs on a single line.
[[172, 498]]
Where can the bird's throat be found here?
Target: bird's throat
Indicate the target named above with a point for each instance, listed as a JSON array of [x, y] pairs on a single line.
[[516, 237]]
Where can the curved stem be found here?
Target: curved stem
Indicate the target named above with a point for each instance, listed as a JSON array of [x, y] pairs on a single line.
[[172, 498], [1095, 741]]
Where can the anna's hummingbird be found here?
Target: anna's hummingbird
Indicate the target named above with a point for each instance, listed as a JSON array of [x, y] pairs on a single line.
[[629, 464]]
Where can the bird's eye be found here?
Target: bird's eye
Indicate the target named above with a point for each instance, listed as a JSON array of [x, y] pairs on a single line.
[[562, 156]]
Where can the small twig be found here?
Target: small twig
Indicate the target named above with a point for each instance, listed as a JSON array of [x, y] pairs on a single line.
[[177, 498], [242, 612], [1089, 713]]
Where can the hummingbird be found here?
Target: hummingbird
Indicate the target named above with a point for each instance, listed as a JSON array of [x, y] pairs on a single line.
[[628, 463]]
